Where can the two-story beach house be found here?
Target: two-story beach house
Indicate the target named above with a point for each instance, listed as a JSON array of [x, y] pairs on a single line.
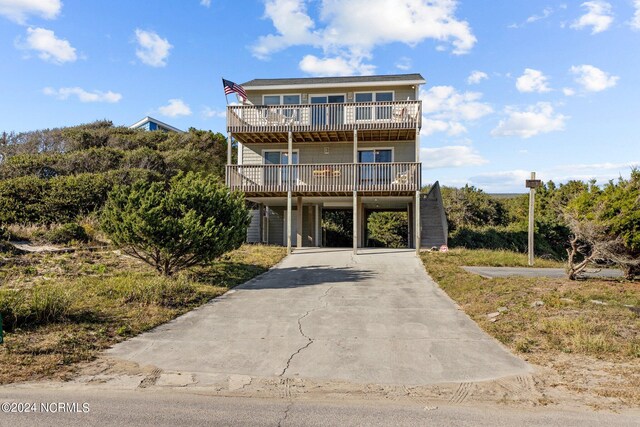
[[306, 145]]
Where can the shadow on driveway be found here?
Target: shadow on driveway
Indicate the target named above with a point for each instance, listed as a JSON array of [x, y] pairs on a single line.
[[296, 277]]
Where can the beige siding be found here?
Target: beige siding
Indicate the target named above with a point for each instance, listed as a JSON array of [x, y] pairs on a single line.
[[401, 93], [253, 232], [403, 151], [276, 225]]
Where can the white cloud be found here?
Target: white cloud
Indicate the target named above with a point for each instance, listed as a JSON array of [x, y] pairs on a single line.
[[513, 180], [453, 156], [293, 25], [208, 113], [476, 77], [205, 3], [152, 49], [445, 109], [532, 81], [447, 102], [349, 30], [175, 108], [48, 46], [546, 12], [635, 21], [404, 64], [19, 10], [65, 93], [536, 119], [568, 91], [452, 128], [501, 181], [599, 16], [337, 66], [593, 79]]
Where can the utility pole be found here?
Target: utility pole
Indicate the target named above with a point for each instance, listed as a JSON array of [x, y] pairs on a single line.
[[532, 184]]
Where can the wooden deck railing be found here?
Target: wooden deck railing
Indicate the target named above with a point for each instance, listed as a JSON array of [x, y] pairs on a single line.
[[324, 117], [325, 178]]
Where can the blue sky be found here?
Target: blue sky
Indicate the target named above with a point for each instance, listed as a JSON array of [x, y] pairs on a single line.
[[513, 86]]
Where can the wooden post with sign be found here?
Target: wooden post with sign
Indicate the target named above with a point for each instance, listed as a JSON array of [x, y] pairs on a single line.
[[532, 184]]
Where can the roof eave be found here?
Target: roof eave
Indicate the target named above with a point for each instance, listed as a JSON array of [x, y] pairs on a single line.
[[335, 85]]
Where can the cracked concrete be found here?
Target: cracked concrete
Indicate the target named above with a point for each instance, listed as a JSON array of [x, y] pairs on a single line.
[[302, 332], [326, 314]]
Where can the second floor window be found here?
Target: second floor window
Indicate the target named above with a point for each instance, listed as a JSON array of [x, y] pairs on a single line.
[[283, 100], [370, 112]]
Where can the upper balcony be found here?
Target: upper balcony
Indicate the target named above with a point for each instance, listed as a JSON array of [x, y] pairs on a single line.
[[331, 122]]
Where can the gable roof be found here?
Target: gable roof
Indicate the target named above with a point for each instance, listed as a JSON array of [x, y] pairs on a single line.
[[317, 82], [148, 119]]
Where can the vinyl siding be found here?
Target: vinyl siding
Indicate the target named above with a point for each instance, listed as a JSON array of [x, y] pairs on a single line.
[[403, 151], [276, 225], [401, 93], [253, 232]]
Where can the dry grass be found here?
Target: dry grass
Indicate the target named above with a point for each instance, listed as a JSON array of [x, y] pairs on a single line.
[[600, 338], [71, 306]]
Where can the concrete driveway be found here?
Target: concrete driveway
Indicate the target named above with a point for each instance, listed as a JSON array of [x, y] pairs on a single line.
[[326, 314]]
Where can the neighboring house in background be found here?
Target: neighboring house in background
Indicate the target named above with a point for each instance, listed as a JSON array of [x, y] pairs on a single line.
[[149, 123], [311, 144]]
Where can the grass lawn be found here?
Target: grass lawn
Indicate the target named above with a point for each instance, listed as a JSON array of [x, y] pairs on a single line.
[[593, 347], [61, 309]]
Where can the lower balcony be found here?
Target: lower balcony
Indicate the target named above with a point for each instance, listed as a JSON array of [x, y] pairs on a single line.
[[325, 179]]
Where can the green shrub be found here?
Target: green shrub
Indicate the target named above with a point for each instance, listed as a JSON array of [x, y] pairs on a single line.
[[192, 221], [155, 291], [49, 304], [12, 308], [36, 306], [33, 200], [388, 229], [513, 238], [67, 233]]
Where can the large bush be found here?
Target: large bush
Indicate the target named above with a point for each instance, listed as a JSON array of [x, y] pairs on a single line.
[[33, 200], [192, 220], [388, 229], [54, 175], [605, 223]]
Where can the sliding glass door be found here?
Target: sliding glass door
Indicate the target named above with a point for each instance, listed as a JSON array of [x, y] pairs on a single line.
[[323, 114], [279, 175], [373, 171]]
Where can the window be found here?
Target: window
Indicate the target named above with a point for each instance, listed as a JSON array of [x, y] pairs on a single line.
[[284, 100], [290, 99], [375, 156], [279, 175], [280, 99], [271, 100], [381, 112], [370, 173]]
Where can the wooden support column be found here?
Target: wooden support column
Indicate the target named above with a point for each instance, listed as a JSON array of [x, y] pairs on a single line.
[[229, 148], [355, 191], [318, 238], [289, 176], [409, 226], [417, 232], [416, 228], [299, 221], [310, 236]]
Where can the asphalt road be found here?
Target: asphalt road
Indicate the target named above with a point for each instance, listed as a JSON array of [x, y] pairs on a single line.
[[182, 409], [372, 318]]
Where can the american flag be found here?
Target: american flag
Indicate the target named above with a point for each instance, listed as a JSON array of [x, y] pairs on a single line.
[[231, 87]]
